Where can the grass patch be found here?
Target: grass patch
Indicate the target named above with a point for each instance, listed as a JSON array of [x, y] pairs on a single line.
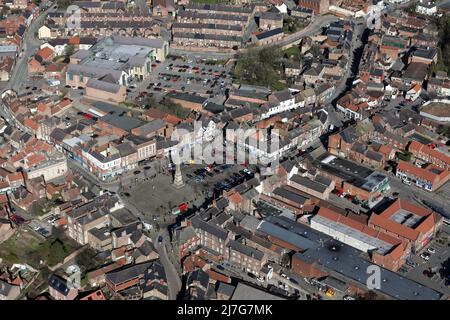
[[293, 54], [278, 86], [128, 104], [212, 62], [26, 246]]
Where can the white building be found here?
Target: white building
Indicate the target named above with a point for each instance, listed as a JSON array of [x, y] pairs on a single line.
[[428, 9]]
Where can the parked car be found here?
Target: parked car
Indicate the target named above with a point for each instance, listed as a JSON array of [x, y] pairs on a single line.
[[431, 250], [425, 256], [411, 264]]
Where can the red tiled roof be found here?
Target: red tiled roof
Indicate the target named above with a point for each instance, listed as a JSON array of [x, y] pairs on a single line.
[[34, 159], [357, 225], [96, 295], [384, 221], [171, 119], [17, 176], [30, 123], [423, 173], [417, 147], [45, 53]]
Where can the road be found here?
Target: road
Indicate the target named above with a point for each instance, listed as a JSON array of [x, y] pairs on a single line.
[[417, 194], [173, 279], [313, 28], [356, 44], [30, 46]]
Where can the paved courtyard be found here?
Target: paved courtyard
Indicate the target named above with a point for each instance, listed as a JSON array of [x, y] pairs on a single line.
[[155, 197]]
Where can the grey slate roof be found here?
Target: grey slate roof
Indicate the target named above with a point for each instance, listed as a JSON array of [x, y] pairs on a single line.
[[308, 183]]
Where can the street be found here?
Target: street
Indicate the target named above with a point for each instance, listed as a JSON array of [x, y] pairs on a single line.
[[173, 279], [30, 46]]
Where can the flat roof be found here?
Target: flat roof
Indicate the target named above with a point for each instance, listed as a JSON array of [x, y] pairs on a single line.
[[438, 109], [347, 261]]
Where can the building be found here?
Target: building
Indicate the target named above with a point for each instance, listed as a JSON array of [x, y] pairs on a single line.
[[270, 20], [429, 155], [61, 289], [406, 221], [211, 236], [246, 258], [436, 110], [319, 187], [358, 181], [108, 65], [188, 101], [318, 6], [50, 169], [426, 8], [268, 37], [90, 215], [429, 178], [354, 231]]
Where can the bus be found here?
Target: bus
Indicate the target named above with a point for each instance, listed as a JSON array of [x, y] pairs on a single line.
[[179, 209]]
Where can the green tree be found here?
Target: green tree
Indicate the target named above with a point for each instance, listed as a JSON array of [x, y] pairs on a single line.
[[69, 50], [261, 67], [285, 260]]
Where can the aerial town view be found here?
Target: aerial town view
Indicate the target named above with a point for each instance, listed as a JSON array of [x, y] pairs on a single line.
[[225, 150]]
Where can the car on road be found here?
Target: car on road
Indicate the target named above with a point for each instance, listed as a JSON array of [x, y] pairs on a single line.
[[431, 250], [160, 239], [425, 256]]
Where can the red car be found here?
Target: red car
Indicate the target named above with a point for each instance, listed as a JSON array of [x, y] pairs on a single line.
[[17, 219]]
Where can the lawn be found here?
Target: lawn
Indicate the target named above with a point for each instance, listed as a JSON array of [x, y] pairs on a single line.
[[26, 247]]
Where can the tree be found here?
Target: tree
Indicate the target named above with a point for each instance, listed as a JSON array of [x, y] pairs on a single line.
[[69, 50], [261, 67], [286, 260]]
